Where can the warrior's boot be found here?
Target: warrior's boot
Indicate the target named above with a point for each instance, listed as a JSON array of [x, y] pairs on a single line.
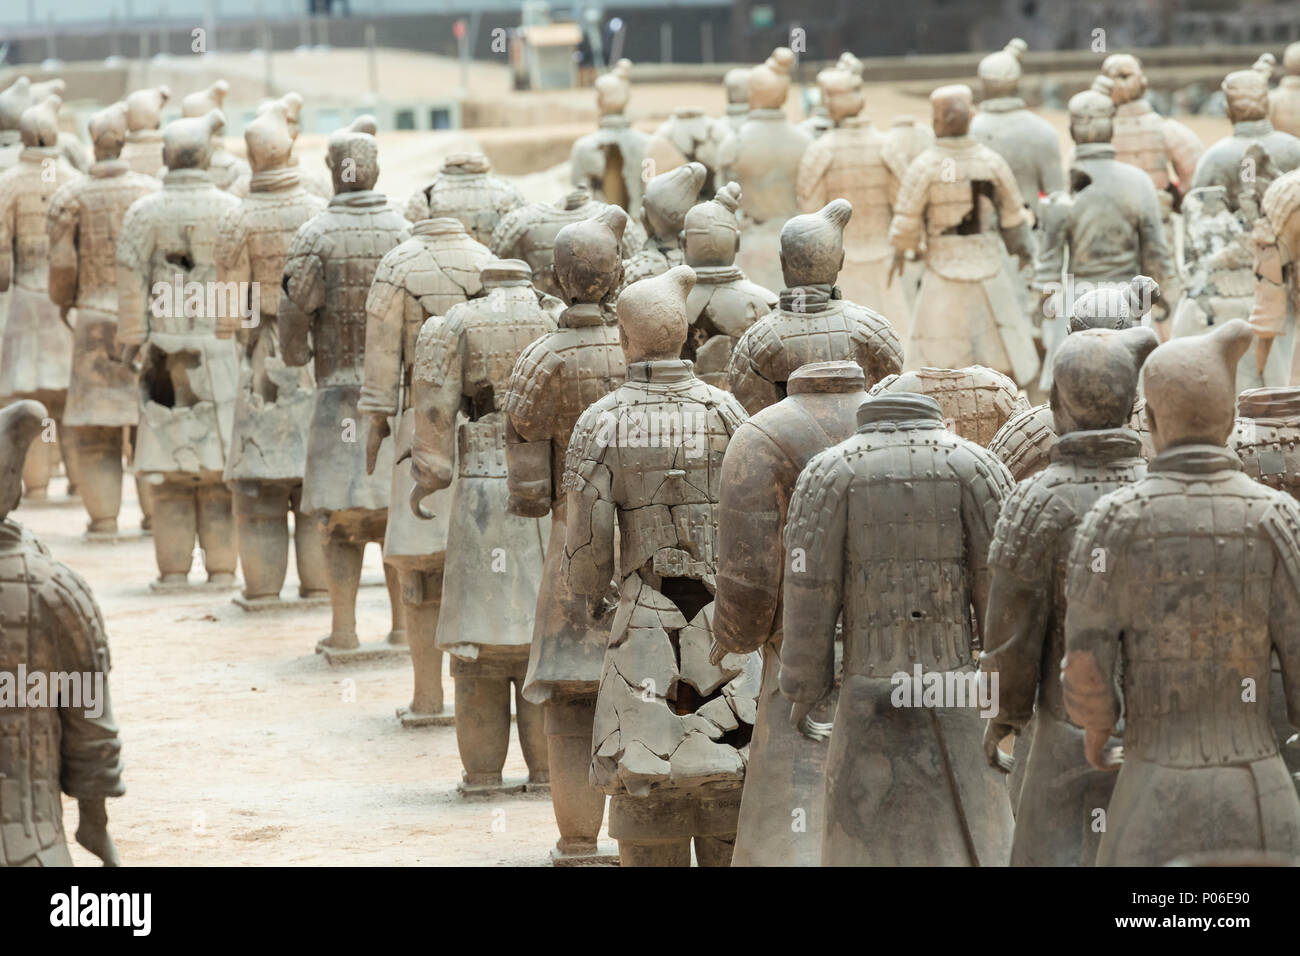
[[262, 518], [95, 456], [217, 535], [309, 551], [579, 807], [393, 582], [177, 528], [421, 602], [343, 556]]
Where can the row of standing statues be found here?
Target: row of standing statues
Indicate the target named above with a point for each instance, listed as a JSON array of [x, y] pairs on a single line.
[[719, 472]]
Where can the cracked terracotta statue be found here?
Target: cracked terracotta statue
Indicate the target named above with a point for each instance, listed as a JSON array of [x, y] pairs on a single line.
[[20, 96], [689, 135], [736, 84], [188, 378], [268, 444], [975, 401], [1225, 163], [763, 156], [668, 197], [465, 189], [529, 233], [1284, 101], [36, 350], [224, 167], [291, 105], [672, 721], [848, 163], [785, 779], [1200, 769], [723, 304], [813, 322], [143, 150], [1276, 233], [84, 220], [493, 575], [892, 526], [435, 269], [610, 162], [327, 276], [1103, 231], [1024, 628], [959, 202], [1024, 444], [553, 382], [52, 625]]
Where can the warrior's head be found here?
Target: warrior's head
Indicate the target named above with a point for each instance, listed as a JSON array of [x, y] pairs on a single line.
[[16, 98], [841, 92], [1291, 59], [352, 155], [292, 104], [1125, 71], [1247, 95], [270, 136], [1191, 386], [951, 106], [205, 101], [736, 82], [614, 89], [999, 73], [499, 272], [652, 320], [769, 82], [667, 198], [1112, 307], [144, 108], [187, 142], [1095, 377], [588, 265], [851, 63], [39, 124], [812, 245], [20, 423], [107, 129], [1092, 112], [712, 233]]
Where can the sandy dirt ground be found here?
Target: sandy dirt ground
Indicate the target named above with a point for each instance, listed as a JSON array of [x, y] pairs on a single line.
[[243, 747]]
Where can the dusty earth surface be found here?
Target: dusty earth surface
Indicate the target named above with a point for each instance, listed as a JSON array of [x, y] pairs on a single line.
[[242, 746]]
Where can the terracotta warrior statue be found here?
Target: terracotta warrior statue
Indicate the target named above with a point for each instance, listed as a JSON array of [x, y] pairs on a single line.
[[327, 276], [723, 304], [959, 201], [1024, 629], [291, 106], [689, 135], [819, 120], [529, 233], [1224, 163], [143, 150], [736, 83], [84, 220], [975, 401], [892, 527], [466, 190], [663, 213], [268, 445], [1284, 101], [848, 163], [1024, 444], [781, 809], [1147, 140], [435, 269], [553, 382], [609, 162], [463, 363], [813, 322], [188, 378], [21, 95], [36, 350], [52, 626], [1103, 231], [1200, 769], [1276, 239], [763, 156], [672, 719], [225, 167]]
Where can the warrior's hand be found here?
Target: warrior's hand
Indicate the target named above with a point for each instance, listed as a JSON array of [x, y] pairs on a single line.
[[801, 720], [63, 315], [92, 831], [994, 734], [418, 494], [129, 352], [896, 268], [379, 430], [1101, 757]]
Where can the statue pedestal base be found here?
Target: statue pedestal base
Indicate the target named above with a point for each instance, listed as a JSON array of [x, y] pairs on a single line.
[[184, 587], [278, 603], [594, 857], [411, 720], [363, 653], [111, 537], [502, 788]]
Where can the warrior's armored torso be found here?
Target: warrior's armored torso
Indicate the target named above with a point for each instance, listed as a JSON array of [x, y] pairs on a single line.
[[976, 401], [848, 163], [764, 156], [1026, 141], [1224, 163], [479, 199], [25, 194], [1145, 139]]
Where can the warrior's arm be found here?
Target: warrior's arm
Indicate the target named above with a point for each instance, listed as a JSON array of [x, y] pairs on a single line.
[[61, 226], [1092, 629], [985, 486], [1268, 317], [909, 208], [133, 252], [1184, 149], [588, 563], [810, 184], [1153, 248], [435, 398], [1283, 526], [386, 306], [751, 389], [1053, 238], [530, 411], [233, 265]]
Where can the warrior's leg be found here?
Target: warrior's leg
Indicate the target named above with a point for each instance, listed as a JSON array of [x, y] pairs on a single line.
[[579, 807], [343, 554], [143, 491], [714, 850], [654, 852], [482, 720], [38, 468], [309, 550], [654, 830], [392, 580], [176, 507], [421, 601], [261, 517], [531, 721], [217, 534], [95, 454]]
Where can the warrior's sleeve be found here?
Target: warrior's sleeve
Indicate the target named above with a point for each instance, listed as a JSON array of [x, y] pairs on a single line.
[[1019, 604], [304, 269], [436, 386], [1006, 193], [1051, 174], [417, 207], [385, 317], [1054, 237], [588, 563], [1154, 254], [750, 555], [1268, 317], [134, 247], [233, 265], [810, 185], [906, 227], [813, 590], [531, 411], [61, 225], [90, 750], [1093, 620], [747, 383], [1283, 526], [876, 345], [506, 235], [986, 483], [1184, 150]]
